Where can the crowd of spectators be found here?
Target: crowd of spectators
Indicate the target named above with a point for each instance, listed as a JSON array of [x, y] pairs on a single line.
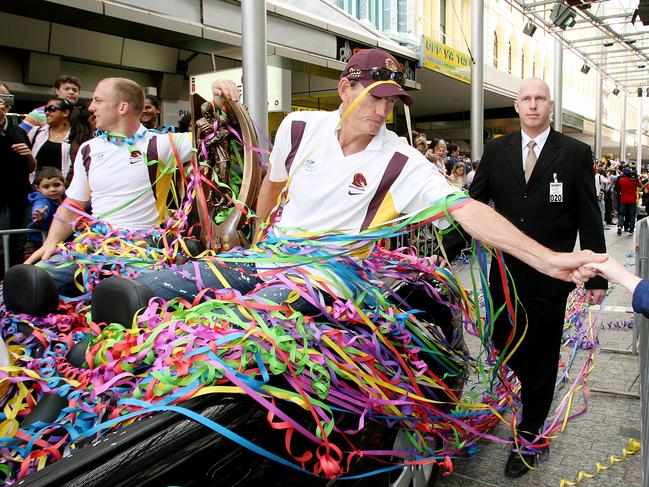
[[620, 190], [455, 166]]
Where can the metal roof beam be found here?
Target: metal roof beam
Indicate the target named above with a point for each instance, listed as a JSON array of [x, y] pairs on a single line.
[[618, 38], [607, 17], [533, 5], [608, 51]]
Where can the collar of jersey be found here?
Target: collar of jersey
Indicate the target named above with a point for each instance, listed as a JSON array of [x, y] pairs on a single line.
[[120, 139]]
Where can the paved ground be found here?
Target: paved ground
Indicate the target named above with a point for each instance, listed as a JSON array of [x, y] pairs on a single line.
[[602, 431]]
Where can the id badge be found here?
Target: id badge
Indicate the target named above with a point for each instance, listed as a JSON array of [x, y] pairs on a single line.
[[556, 192]]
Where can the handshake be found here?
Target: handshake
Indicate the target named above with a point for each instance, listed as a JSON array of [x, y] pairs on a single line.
[[611, 270]]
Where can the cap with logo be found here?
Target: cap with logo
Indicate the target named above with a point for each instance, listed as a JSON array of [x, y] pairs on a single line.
[[368, 66]]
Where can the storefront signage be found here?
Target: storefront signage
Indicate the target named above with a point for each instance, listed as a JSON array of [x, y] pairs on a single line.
[[443, 59]]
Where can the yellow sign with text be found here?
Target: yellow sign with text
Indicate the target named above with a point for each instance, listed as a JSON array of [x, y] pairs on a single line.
[[443, 59]]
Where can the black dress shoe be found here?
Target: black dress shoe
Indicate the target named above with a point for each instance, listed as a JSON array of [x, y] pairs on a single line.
[[516, 467]]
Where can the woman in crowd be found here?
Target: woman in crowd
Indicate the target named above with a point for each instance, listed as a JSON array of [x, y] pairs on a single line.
[[458, 175], [51, 142], [437, 162], [602, 183], [421, 145], [83, 127], [150, 117], [438, 147]]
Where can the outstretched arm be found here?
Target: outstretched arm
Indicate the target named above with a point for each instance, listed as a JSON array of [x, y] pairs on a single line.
[[485, 224], [615, 272], [60, 230]]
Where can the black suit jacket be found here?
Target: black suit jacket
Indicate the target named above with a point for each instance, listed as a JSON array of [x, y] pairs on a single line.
[[501, 178]]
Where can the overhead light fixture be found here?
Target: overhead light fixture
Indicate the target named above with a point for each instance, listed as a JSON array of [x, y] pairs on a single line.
[[639, 92], [608, 44], [647, 91], [585, 68], [529, 29], [616, 91], [563, 16], [629, 42]]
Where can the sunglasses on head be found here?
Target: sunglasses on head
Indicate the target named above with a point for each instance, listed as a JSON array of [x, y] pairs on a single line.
[[379, 74], [51, 108]]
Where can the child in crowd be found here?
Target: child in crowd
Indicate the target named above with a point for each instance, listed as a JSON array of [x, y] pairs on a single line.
[[49, 185]]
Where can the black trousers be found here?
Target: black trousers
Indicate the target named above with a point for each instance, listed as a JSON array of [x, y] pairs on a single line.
[[536, 361], [608, 207]]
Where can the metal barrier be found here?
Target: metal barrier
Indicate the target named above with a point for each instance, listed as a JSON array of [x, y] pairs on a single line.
[[425, 240], [641, 333], [6, 234]]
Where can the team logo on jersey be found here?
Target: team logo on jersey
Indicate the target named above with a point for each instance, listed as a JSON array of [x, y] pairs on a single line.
[[310, 165], [135, 157], [359, 183]]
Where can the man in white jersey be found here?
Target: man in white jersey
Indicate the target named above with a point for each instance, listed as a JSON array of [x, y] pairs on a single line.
[[346, 172], [110, 173]]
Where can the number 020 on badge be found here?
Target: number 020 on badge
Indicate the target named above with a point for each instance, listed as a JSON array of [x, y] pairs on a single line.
[[556, 192]]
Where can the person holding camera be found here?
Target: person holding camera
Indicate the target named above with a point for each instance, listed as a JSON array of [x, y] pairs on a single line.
[[17, 161], [627, 185]]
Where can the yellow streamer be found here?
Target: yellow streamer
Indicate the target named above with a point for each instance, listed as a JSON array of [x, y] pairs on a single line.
[[633, 447]]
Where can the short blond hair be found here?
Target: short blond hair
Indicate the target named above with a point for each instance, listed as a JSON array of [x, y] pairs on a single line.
[[128, 91]]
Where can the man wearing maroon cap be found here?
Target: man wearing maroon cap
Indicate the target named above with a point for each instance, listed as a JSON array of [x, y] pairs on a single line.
[[324, 153]]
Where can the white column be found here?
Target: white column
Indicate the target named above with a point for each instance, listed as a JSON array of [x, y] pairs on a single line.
[[558, 86], [623, 128], [598, 115], [477, 79], [638, 163], [253, 34]]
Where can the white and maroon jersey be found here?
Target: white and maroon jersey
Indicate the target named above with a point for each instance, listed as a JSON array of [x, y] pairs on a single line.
[[117, 180], [332, 192]]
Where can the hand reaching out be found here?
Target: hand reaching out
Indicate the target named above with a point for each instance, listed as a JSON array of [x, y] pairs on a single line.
[[39, 214], [615, 273], [226, 89]]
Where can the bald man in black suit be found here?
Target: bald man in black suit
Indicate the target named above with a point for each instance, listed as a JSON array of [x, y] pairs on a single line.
[[543, 182]]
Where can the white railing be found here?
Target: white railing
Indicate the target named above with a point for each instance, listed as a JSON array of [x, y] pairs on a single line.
[[641, 336]]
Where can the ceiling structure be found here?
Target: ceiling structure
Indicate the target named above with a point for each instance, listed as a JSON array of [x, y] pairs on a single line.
[[608, 35]]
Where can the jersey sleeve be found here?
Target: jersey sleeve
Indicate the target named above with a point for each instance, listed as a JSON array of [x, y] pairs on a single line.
[[422, 187], [182, 142], [35, 118], [79, 188], [277, 172]]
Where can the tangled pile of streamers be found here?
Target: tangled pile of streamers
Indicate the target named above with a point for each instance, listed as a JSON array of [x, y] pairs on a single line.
[[368, 355]]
